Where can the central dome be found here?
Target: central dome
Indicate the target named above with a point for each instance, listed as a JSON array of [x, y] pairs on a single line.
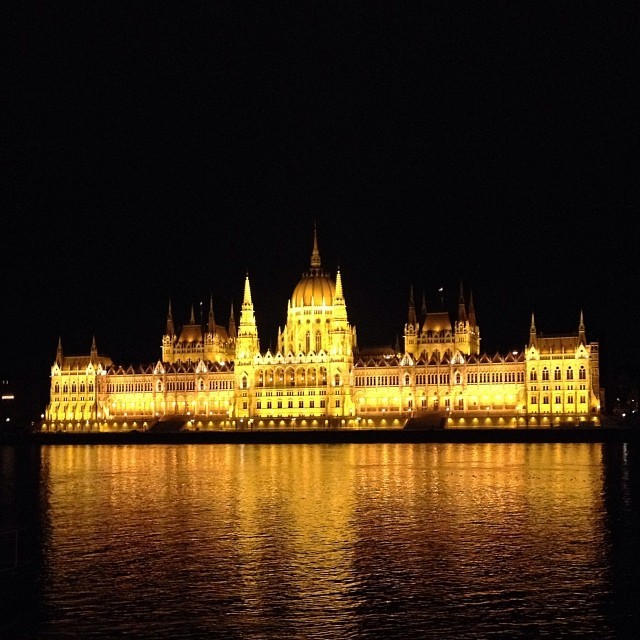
[[316, 286]]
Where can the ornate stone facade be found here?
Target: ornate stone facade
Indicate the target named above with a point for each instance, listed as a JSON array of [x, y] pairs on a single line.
[[214, 377]]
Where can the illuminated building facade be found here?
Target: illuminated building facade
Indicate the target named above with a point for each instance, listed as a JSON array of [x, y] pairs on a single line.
[[215, 377]]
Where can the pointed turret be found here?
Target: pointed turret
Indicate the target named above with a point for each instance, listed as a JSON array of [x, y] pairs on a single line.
[[339, 295], [94, 350], [532, 331], [232, 324], [170, 328], [423, 309], [246, 301], [192, 317], [211, 323], [411, 318], [247, 342], [581, 329], [59, 354], [339, 306], [462, 312], [472, 311]]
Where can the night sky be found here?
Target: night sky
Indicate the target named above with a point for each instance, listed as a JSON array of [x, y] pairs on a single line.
[[162, 152]]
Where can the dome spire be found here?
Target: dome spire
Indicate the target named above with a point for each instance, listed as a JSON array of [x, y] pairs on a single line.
[[315, 255]]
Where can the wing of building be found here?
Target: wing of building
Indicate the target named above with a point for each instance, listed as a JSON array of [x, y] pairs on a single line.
[[216, 377]]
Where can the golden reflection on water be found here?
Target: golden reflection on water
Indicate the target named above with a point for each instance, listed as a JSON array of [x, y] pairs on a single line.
[[320, 531]]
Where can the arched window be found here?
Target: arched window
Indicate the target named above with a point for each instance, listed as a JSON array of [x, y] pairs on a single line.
[[556, 374], [159, 386], [458, 378], [318, 341], [407, 380], [545, 374], [308, 342], [534, 375], [245, 382], [582, 374], [337, 379], [569, 373]]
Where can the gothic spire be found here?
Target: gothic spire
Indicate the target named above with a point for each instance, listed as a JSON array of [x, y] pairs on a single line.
[[339, 294], [472, 311], [232, 324], [411, 319], [247, 292], [462, 312], [581, 328], [211, 324], [59, 355], [170, 328], [532, 328]]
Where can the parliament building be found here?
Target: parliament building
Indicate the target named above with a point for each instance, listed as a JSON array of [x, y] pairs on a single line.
[[212, 377]]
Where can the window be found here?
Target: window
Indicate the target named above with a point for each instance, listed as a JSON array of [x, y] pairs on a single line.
[[545, 374], [534, 376], [556, 374], [582, 374], [569, 373]]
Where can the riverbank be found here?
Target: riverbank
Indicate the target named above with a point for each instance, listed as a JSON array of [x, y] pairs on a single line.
[[331, 436]]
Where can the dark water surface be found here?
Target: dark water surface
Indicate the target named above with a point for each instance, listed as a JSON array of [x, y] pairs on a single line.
[[322, 541]]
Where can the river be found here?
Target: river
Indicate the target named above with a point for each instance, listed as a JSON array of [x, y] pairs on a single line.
[[340, 541]]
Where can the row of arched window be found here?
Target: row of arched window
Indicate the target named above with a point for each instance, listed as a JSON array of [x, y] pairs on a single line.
[[74, 387], [557, 374]]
